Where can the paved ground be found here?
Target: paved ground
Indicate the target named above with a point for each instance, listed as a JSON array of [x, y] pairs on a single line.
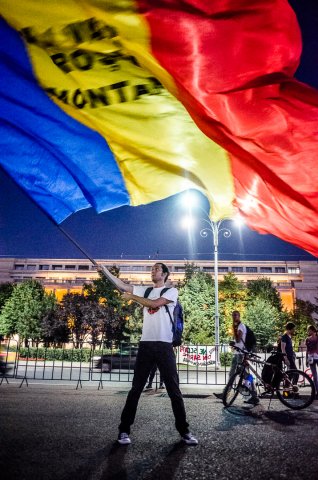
[[54, 432]]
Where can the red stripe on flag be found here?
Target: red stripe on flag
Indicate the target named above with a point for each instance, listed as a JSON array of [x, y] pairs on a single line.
[[233, 62]]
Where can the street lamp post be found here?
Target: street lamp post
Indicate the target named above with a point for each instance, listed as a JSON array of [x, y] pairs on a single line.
[[190, 200], [215, 229]]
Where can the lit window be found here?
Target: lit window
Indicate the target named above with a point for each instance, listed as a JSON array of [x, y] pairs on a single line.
[[293, 270]]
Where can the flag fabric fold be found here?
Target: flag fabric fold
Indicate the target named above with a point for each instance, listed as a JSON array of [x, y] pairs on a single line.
[[131, 101]]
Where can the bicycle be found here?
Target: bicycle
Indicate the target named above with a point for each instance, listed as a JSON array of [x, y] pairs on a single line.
[[293, 388]]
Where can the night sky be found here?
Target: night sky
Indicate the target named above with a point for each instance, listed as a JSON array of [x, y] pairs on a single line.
[[151, 231]]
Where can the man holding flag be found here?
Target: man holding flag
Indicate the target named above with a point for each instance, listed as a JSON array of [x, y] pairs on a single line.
[[155, 348]]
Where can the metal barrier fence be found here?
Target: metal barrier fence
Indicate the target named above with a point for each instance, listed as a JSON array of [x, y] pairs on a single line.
[[196, 364]]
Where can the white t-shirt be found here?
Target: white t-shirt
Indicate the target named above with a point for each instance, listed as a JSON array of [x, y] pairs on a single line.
[[157, 326], [241, 344]]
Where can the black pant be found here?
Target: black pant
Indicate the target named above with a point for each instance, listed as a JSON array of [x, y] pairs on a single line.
[[149, 354], [292, 366]]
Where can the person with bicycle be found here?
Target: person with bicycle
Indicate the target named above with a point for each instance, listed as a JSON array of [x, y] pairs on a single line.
[[286, 346], [312, 353], [239, 333]]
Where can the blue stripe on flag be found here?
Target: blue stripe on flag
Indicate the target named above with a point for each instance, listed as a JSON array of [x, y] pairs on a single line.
[[63, 165]]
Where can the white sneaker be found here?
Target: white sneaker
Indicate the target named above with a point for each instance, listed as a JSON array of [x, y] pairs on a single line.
[[123, 439], [189, 439]]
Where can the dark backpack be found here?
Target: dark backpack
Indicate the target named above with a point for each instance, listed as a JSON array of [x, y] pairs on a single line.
[[271, 373], [177, 321], [250, 339]]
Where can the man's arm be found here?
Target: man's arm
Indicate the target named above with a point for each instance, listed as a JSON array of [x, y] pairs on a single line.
[[146, 302], [122, 286]]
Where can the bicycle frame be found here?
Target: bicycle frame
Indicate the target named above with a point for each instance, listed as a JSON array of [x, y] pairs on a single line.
[[294, 388]]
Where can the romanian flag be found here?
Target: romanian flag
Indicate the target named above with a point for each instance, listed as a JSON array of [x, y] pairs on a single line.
[[113, 102]]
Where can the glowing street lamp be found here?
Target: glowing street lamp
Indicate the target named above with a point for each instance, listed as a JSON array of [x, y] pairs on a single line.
[[216, 229]]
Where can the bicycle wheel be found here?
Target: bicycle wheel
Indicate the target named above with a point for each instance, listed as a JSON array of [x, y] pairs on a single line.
[[309, 374], [296, 389], [232, 389]]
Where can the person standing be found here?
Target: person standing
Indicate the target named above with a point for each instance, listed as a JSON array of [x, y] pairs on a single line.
[[239, 333], [312, 353], [155, 348], [286, 346]]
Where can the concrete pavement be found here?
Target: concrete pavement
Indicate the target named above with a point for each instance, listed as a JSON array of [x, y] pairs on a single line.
[[57, 432]]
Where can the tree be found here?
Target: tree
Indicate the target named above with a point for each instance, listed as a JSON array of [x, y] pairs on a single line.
[[197, 299], [262, 318], [123, 319], [263, 288], [232, 296], [302, 317], [54, 328], [190, 269], [23, 312], [85, 318], [6, 290]]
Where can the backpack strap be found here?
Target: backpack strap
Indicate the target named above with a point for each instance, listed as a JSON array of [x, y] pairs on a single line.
[[164, 290], [147, 292]]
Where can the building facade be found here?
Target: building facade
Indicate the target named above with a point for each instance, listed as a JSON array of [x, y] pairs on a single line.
[[293, 279]]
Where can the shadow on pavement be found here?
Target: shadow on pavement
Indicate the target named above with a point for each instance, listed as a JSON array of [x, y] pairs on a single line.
[[243, 415], [169, 463], [116, 468], [110, 464], [94, 464]]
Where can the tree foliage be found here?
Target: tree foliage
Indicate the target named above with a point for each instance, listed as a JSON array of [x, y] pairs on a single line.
[[190, 269], [54, 328], [24, 311], [264, 288], [262, 317], [232, 296], [302, 317], [85, 318], [197, 299], [6, 290], [122, 319]]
